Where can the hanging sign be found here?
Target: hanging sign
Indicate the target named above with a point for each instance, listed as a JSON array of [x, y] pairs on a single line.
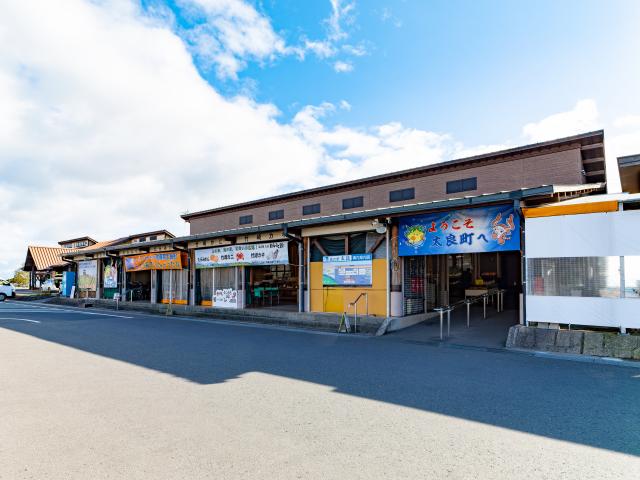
[[347, 270], [156, 261], [274, 253], [487, 229]]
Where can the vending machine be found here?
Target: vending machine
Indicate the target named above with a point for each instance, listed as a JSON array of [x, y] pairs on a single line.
[[68, 281]]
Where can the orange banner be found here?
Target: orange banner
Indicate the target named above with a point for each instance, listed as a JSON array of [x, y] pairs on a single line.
[[156, 261]]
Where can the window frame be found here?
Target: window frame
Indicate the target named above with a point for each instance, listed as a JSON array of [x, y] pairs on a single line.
[[353, 202], [246, 219], [276, 214], [468, 184], [403, 194], [311, 209]]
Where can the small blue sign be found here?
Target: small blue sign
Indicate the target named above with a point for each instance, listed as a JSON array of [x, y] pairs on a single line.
[[347, 270], [473, 230]]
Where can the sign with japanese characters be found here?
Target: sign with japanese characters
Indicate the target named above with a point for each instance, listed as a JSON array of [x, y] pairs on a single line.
[[156, 261], [225, 298], [273, 253], [488, 229], [347, 270]]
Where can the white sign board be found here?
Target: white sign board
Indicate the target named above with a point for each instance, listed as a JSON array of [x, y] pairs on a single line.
[[272, 253], [225, 298]]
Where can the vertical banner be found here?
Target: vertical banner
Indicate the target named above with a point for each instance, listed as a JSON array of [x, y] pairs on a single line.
[[110, 274], [473, 230], [87, 274]]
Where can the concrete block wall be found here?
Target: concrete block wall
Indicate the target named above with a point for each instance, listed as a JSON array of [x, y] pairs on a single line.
[[579, 342]]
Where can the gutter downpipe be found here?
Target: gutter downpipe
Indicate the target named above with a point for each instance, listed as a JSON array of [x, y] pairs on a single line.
[[388, 254], [523, 267], [298, 240]]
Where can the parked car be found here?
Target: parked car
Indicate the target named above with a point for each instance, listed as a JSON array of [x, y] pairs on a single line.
[[49, 286], [6, 291]]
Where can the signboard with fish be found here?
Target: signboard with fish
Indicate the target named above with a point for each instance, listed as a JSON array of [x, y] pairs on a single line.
[[472, 230]]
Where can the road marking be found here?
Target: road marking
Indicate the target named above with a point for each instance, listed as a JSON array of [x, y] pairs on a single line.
[[20, 319], [45, 310]]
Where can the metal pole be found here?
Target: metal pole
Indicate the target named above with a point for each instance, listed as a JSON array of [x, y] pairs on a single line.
[[468, 312], [484, 306], [300, 276], [449, 322], [388, 253], [355, 317], [441, 312], [170, 290], [366, 303]]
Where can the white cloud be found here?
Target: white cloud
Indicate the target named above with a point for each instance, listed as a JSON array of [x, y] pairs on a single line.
[[342, 12], [582, 118], [342, 67], [107, 129], [231, 33]]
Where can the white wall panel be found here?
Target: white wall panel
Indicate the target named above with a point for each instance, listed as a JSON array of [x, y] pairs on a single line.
[[605, 312], [586, 235]]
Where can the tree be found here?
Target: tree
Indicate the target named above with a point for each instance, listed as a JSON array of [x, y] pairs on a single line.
[[20, 278]]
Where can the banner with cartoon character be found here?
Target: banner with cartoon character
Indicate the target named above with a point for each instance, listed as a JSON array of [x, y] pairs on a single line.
[[273, 253], [473, 230]]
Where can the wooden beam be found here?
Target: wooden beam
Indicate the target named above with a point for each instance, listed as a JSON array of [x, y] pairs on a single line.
[[319, 247]]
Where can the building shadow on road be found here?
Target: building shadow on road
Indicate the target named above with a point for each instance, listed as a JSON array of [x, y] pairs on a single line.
[[588, 404]]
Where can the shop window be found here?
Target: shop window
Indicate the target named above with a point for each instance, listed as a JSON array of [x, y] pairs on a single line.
[[354, 202], [246, 219], [464, 185], [311, 209], [276, 214], [357, 243], [574, 276], [400, 195]]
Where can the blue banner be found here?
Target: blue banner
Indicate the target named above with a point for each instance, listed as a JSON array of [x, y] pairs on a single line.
[[473, 230]]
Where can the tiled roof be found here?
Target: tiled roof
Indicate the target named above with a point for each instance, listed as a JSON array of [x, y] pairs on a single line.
[[45, 258]]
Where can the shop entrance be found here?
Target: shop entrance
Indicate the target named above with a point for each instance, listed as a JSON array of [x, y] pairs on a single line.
[[139, 286], [273, 285], [435, 281]]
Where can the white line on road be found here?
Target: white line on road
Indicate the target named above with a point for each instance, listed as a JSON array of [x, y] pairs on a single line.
[[58, 310], [20, 319]]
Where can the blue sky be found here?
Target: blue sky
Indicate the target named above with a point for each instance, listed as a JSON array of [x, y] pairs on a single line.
[[116, 116], [478, 69]]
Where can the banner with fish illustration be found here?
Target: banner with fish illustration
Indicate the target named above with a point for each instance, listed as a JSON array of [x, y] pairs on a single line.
[[274, 253], [472, 230]]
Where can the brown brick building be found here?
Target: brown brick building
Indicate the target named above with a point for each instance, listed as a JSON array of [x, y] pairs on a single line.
[[568, 161]]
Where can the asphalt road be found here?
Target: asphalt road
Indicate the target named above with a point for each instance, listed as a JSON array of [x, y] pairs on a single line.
[[118, 395]]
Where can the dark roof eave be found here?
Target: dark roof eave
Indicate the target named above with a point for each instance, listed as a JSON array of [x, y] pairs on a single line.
[[425, 168], [469, 201]]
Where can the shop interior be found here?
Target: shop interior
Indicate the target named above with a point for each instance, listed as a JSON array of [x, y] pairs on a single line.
[[435, 281], [273, 285], [138, 286]]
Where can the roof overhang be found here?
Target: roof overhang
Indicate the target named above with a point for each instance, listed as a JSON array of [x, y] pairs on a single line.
[[541, 192], [580, 140]]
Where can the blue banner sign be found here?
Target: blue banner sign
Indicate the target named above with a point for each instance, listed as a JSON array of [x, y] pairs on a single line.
[[473, 230], [347, 270]]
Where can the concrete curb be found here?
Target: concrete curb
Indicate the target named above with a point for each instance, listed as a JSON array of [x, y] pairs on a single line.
[[616, 362], [307, 321]]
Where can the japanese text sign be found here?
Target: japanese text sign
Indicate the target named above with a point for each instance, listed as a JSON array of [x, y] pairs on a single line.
[[488, 229], [274, 253]]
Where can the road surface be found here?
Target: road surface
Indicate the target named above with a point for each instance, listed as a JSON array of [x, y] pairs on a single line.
[[92, 394]]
